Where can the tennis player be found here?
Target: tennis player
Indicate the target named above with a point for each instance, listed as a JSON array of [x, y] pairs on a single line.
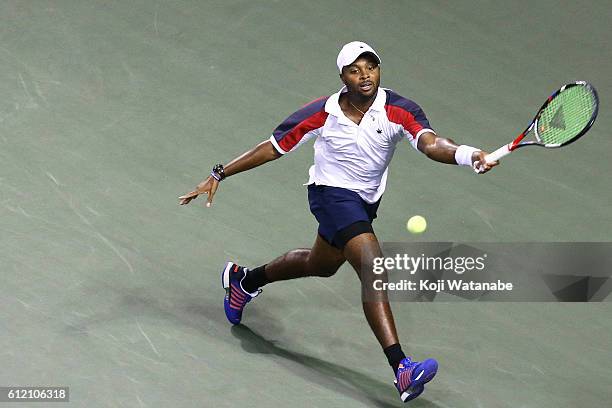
[[356, 131]]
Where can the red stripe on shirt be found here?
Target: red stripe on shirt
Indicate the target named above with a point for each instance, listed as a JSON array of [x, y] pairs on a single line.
[[296, 134], [404, 118]]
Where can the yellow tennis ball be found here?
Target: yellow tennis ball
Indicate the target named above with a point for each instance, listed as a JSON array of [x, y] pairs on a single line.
[[416, 224]]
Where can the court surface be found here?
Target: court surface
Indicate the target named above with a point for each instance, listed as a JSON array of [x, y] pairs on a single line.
[[110, 110]]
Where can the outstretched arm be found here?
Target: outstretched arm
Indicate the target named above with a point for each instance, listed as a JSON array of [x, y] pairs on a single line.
[[444, 150], [260, 154]]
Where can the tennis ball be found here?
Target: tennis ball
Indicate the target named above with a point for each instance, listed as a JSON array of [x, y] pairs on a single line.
[[416, 224]]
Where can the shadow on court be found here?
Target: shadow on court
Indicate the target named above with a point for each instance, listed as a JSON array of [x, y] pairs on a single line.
[[124, 304], [335, 377]]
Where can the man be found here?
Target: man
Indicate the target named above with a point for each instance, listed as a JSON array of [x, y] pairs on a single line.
[[356, 132]]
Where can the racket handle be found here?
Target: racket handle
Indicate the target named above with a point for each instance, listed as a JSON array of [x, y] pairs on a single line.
[[498, 154], [492, 157]]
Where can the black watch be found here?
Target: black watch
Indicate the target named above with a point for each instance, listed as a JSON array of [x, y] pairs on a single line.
[[218, 172]]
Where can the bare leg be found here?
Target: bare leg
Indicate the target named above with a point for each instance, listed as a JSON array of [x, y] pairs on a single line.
[[322, 260], [360, 251]]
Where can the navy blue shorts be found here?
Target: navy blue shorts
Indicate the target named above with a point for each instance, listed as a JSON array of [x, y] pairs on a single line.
[[342, 214]]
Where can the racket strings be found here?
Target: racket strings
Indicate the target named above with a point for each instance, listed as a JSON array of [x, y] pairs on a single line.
[[566, 116]]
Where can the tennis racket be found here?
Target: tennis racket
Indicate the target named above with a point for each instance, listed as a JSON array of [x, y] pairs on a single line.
[[566, 115]]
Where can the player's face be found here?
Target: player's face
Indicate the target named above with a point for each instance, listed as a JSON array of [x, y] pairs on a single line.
[[362, 76]]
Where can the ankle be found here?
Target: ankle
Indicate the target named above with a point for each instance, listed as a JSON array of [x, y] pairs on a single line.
[[394, 355], [255, 279]]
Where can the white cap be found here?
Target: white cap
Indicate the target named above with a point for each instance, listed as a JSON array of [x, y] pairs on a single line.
[[351, 51]]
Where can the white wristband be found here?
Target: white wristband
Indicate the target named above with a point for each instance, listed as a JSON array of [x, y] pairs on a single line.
[[463, 155]]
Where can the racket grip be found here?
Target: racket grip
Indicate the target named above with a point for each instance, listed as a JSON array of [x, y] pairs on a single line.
[[492, 157], [498, 154]]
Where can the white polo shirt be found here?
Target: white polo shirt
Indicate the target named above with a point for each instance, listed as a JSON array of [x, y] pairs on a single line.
[[349, 155]]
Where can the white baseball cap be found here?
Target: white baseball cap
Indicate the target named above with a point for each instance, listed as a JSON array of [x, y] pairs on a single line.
[[351, 51]]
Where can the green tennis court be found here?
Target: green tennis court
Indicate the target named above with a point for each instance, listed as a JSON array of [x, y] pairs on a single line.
[[110, 110]]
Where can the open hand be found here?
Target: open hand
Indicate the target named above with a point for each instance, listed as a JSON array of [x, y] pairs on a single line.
[[208, 186]]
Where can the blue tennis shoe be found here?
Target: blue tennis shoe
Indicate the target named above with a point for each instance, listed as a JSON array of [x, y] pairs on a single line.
[[236, 297], [412, 376]]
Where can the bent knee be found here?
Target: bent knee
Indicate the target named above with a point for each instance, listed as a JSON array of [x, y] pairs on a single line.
[[323, 263]]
